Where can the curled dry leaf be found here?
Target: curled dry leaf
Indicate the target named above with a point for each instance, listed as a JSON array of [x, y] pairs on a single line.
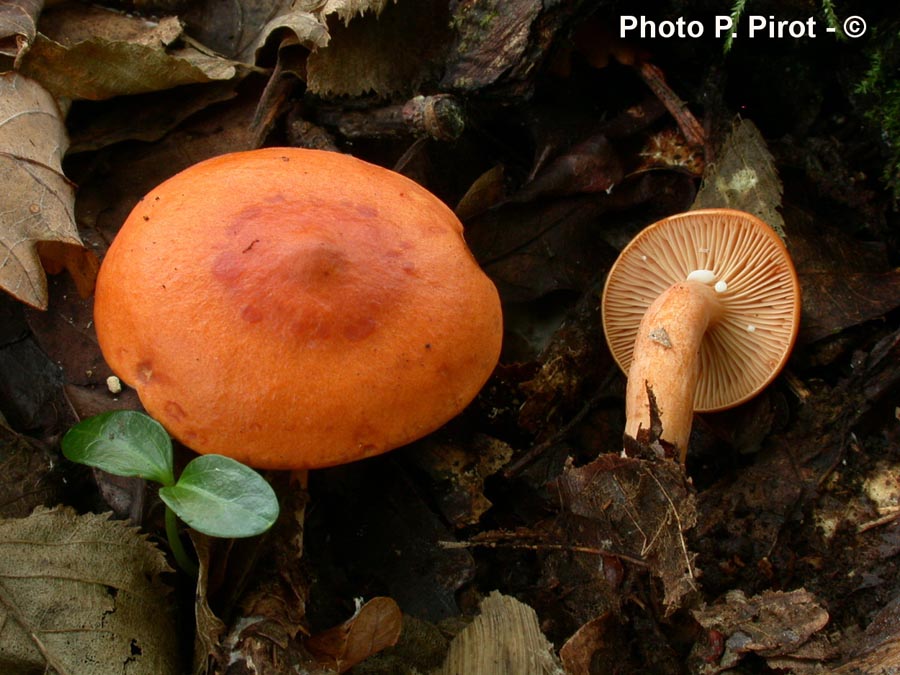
[[92, 602], [210, 629], [234, 29], [306, 28], [486, 192], [86, 52], [596, 642], [38, 200], [375, 626], [17, 29]]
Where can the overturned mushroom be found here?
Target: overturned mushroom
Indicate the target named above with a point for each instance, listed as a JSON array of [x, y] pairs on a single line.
[[701, 309]]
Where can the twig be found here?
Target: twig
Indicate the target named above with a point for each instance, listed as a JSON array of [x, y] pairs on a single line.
[[690, 127]]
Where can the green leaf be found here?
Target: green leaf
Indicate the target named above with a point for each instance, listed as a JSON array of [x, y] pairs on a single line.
[[221, 497], [122, 442]]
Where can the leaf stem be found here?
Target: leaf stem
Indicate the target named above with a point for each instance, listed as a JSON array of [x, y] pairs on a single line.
[[185, 562]]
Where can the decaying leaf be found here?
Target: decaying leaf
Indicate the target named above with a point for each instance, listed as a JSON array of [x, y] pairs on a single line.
[[385, 53], [17, 29], [233, 29], [642, 508], [38, 200], [505, 639], [744, 177], [375, 626], [87, 52], [82, 593], [772, 624]]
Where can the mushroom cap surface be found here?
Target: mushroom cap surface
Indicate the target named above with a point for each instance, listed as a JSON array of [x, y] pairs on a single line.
[[296, 309], [747, 347]]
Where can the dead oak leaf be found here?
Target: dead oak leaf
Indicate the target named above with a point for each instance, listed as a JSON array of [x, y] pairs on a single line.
[[38, 200]]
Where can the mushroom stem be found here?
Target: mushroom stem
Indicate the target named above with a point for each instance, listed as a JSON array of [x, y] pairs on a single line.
[[666, 359]]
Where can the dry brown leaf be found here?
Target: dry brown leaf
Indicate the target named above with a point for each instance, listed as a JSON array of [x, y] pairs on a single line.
[[375, 626], [17, 29], [642, 508], [90, 602], [505, 639], [772, 624], [87, 52], [591, 165], [70, 24], [845, 281], [459, 469], [38, 200], [81, 264], [596, 642], [744, 177], [145, 117], [487, 191]]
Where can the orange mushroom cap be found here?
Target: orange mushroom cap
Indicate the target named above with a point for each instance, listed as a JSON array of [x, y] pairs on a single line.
[[296, 309], [753, 291]]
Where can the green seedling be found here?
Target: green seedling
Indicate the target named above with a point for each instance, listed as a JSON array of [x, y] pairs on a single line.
[[215, 495]]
